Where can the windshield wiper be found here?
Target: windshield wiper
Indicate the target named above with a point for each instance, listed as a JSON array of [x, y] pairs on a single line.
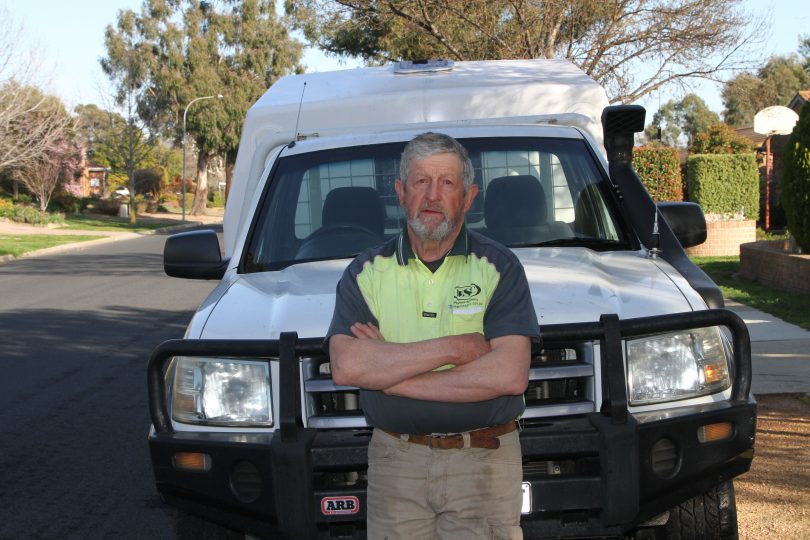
[[588, 242]]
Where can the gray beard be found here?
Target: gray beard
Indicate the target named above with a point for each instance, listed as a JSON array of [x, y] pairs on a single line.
[[441, 232]]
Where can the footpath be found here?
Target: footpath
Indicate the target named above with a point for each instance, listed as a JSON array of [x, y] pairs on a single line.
[[780, 350]]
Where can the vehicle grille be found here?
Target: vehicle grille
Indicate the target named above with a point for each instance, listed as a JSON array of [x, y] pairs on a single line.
[[561, 383]]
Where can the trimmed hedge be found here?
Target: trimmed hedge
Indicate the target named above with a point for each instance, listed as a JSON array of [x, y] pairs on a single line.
[[724, 184], [795, 181], [660, 171]]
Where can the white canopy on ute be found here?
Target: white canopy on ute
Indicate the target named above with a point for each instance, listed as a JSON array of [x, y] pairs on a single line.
[[380, 99]]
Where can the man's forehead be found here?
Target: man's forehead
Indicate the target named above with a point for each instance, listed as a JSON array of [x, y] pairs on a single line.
[[439, 158]]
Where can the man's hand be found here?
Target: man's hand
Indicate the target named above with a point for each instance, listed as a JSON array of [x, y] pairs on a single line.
[[366, 331], [471, 347]]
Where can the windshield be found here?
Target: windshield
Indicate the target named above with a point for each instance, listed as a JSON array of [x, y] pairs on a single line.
[[335, 203]]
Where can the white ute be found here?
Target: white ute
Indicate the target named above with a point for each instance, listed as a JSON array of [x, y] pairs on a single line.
[[638, 413]]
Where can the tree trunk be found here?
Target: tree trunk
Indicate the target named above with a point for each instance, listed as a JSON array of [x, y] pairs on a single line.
[[201, 195], [132, 213], [228, 177]]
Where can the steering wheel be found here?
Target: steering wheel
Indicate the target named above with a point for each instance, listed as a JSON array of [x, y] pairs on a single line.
[[336, 240]]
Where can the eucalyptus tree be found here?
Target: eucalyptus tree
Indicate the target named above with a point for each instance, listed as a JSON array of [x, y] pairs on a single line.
[[188, 49], [632, 47], [774, 84], [687, 116]]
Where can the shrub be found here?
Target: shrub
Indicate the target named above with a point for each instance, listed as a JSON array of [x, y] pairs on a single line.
[[29, 214], [65, 202], [23, 198], [724, 184], [217, 199], [168, 197], [660, 171], [720, 139], [103, 206], [795, 181], [144, 205]]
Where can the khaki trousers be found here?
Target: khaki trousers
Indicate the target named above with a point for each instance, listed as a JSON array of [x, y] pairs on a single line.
[[420, 493]]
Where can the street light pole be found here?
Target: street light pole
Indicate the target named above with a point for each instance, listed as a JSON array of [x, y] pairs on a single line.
[[183, 173]]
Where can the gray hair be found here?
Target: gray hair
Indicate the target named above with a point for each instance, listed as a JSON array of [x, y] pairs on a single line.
[[428, 144]]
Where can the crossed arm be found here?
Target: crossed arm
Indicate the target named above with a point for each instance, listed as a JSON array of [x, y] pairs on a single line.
[[483, 369]]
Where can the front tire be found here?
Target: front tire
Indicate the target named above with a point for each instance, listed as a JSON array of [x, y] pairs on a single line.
[[712, 515]]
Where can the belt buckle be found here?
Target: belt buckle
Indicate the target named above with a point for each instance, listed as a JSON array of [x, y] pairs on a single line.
[[438, 437]]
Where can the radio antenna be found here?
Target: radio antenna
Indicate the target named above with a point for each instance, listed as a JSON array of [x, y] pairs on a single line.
[[655, 247], [298, 117]]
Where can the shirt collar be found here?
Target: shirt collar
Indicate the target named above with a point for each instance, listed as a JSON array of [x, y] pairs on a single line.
[[405, 252]]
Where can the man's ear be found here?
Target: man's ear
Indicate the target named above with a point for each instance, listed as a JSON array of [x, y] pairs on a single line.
[[472, 191], [399, 187]]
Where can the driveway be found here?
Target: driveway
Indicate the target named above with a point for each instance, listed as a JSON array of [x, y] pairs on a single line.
[[780, 352]]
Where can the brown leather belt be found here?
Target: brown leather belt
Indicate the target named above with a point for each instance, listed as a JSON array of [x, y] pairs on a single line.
[[480, 438]]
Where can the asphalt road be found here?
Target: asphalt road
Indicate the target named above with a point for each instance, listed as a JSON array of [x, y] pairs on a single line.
[[76, 330]]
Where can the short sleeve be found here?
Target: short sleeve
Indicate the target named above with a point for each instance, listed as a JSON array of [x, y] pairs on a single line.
[[510, 310], [350, 306]]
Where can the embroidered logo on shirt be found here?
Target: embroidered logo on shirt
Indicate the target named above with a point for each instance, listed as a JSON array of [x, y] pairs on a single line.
[[466, 292], [467, 299]]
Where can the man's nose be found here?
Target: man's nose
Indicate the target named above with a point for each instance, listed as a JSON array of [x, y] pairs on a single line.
[[433, 190]]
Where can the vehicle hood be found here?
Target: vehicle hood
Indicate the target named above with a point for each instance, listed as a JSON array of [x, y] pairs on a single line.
[[568, 285]]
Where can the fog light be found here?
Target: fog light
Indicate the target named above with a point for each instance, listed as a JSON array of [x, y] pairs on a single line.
[[246, 481], [191, 461], [715, 432], [665, 458]]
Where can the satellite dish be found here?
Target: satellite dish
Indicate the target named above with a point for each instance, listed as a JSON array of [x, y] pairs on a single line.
[[776, 120]]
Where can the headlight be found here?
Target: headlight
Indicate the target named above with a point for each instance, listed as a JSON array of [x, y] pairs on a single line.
[[678, 365], [222, 392]]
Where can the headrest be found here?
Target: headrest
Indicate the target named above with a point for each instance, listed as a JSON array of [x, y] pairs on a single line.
[[515, 201], [354, 205]]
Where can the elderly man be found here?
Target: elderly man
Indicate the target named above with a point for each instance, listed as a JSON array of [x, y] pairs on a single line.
[[435, 327]]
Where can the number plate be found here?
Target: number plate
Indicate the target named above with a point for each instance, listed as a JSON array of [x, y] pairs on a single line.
[[527, 499]]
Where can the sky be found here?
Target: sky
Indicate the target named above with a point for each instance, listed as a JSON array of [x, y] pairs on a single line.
[[71, 37]]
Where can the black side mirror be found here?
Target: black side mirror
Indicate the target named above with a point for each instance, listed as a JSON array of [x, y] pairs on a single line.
[[194, 255], [686, 220]]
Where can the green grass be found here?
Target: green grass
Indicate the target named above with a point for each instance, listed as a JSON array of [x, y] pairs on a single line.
[[788, 306], [17, 245], [104, 223]]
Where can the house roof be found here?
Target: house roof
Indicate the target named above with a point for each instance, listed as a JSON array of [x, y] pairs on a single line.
[[798, 101], [748, 132]]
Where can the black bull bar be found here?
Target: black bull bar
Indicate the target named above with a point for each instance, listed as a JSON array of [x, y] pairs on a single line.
[[291, 442]]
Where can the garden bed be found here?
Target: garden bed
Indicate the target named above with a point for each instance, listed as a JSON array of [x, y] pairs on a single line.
[[724, 238], [770, 263]]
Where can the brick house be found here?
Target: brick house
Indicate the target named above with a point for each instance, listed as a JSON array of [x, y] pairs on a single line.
[[91, 179]]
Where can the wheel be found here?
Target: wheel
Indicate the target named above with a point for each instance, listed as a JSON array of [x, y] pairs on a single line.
[[712, 515]]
